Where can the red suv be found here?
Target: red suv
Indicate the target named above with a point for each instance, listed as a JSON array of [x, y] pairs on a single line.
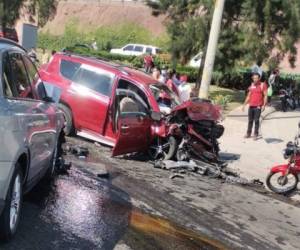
[[106, 102]]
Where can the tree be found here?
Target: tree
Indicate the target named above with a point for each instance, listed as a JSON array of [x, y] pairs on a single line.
[[10, 10], [252, 30]]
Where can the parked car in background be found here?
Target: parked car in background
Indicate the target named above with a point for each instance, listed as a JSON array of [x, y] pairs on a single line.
[[9, 33], [136, 50], [31, 132], [195, 62]]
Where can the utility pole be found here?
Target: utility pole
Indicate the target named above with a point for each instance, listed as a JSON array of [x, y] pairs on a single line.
[[211, 48]]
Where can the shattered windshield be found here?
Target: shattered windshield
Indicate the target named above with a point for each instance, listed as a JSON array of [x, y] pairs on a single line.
[[164, 95]]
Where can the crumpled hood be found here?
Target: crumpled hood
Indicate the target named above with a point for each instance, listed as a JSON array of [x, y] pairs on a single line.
[[200, 110]]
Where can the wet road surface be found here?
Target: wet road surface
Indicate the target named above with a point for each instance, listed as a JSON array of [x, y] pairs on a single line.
[[139, 207], [81, 211]]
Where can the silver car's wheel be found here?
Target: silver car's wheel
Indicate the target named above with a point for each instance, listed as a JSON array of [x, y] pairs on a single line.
[[9, 219], [15, 203]]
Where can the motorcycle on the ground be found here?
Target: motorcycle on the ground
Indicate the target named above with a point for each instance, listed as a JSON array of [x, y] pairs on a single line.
[[191, 130], [283, 179]]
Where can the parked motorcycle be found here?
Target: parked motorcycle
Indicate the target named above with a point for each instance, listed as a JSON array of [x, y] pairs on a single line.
[[191, 130], [287, 99], [283, 179]]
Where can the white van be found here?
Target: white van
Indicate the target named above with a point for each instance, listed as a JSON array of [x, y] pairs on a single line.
[[195, 62], [136, 50]]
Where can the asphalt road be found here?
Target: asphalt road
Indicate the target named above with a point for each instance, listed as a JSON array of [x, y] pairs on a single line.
[[139, 207]]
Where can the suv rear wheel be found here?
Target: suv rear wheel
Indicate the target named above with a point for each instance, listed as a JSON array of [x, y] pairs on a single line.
[[69, 128], [10, 217]]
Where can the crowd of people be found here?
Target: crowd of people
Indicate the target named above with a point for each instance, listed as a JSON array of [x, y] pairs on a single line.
[[170, 77]]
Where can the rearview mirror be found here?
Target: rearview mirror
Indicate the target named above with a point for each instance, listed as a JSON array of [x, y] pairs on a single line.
[[156, 116]]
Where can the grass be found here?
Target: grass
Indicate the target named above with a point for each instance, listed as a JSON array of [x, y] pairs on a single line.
[[236, 97]]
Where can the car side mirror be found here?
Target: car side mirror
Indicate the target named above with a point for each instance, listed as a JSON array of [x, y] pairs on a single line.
[[156, 116], [48, 92]]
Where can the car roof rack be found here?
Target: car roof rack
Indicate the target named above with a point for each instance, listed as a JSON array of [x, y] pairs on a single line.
[[11, 42]]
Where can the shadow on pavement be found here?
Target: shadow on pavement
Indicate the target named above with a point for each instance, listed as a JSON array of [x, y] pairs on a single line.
[[229, 157], [273, 140]]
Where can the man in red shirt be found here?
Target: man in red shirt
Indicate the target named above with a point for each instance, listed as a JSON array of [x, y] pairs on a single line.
[[148, 63], [257, 100]]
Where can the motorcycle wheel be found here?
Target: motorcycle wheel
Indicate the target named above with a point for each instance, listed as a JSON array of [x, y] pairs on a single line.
[[163, 148], [293, 105], [282, 184], [283, 106]]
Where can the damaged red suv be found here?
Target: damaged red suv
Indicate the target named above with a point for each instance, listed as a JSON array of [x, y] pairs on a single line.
[[93, 99], [122, 107]]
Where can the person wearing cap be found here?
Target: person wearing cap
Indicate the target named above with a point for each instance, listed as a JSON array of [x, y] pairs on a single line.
[[257, 100]]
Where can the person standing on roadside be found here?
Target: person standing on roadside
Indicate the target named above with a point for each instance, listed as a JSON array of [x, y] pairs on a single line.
[[148, 63], [271, 82], [257, 100]]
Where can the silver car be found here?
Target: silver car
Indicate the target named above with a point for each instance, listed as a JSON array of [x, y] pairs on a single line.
[[30, 133]]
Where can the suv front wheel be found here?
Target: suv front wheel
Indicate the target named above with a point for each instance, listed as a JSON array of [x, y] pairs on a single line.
[[10, 217]]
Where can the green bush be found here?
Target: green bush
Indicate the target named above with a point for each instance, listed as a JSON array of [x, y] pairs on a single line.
[[106, 37], [222, 100], [109, 37], [191, 72]]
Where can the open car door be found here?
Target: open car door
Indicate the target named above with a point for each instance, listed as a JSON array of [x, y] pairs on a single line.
[[133, 124]]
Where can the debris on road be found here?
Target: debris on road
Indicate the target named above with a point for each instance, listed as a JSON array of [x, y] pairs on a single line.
[[104, 175], [219, 171], [173, 176], [62, 167], [80, 152]]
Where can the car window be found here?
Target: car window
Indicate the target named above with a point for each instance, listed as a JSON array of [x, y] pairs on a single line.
[[32, 71], [148, 50], [128, 48], [68, 68], [20, 77], [7, 83], [138, 48], [95, 79], [140, 97], [158, 51]]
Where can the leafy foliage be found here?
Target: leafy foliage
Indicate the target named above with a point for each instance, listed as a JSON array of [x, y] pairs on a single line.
[[10, 10], [252, 30], [106, 37]]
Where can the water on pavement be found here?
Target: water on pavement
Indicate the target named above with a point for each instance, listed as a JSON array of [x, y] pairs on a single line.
[[80, 211]]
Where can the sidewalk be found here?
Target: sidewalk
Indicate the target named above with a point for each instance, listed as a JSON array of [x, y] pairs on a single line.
[[254, 157]]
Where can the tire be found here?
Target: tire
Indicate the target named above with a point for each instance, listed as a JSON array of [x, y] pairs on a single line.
[[69, 128], [293, 107], [173, 148], [168, 153], [281, 190], [9, 223], [52, 166], [283, 106]]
